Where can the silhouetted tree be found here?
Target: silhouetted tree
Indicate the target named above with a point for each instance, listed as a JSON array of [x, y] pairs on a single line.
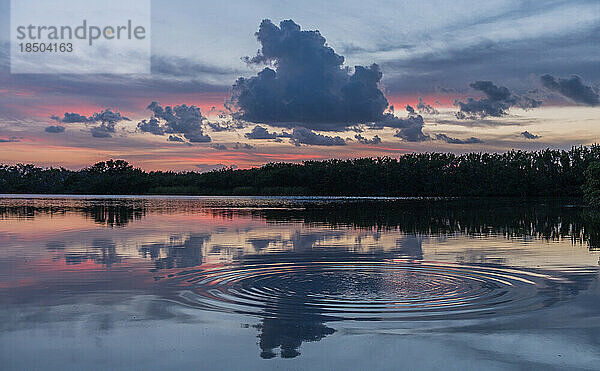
[[591, 188], [513, 173]]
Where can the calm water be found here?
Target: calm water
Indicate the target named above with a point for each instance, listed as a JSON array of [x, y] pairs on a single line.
[[297, 283]]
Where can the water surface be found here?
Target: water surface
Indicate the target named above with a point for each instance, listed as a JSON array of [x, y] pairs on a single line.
[[91, 282]]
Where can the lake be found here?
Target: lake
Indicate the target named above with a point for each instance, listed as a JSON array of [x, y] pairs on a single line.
[[106, 282]]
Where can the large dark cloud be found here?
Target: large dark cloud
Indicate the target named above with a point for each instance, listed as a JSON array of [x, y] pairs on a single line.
[[572, 88], [309, 86], [177, 121], [447, 139], [107, 120], [497, 101]]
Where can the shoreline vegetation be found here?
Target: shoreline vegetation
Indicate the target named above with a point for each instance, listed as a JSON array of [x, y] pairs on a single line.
[[548, 173]]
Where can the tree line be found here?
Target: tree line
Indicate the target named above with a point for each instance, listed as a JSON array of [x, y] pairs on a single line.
[[514, 173]]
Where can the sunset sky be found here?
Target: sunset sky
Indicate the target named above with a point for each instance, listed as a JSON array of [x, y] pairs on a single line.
[[461, 76]]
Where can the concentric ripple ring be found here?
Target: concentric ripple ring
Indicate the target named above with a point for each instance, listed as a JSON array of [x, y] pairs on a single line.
[[393, 289]]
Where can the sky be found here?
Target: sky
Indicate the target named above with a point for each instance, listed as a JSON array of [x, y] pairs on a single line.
[[245, 83]]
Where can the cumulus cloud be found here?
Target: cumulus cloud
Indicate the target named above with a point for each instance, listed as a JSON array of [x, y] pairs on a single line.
[[230, 125], [528, 135], [107, 118], [236, 146], [242, 146], [174, 138], [302, 135], [197, 137], [180, 120], [259, 132], [360, 139], [308, 85], [107, 115], [177, 119], [70, 117], [152, 126], [54, 129], [299, 135], [219, 147], [572, 88], [447, 139], [410, 129], [496, 103], [426, 108], [307, 88]]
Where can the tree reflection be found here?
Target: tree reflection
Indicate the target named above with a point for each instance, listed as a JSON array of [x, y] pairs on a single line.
[[295, 317], [111, 213], [114, 215], [592, 229], [551, 219], [288, 335], [291, 319]]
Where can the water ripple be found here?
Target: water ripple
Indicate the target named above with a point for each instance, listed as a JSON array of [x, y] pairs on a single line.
[[393, 289]]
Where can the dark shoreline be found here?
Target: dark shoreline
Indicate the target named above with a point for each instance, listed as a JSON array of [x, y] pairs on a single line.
[[546, 173]]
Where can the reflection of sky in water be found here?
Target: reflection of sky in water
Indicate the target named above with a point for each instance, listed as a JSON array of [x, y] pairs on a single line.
[[178, 276]]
